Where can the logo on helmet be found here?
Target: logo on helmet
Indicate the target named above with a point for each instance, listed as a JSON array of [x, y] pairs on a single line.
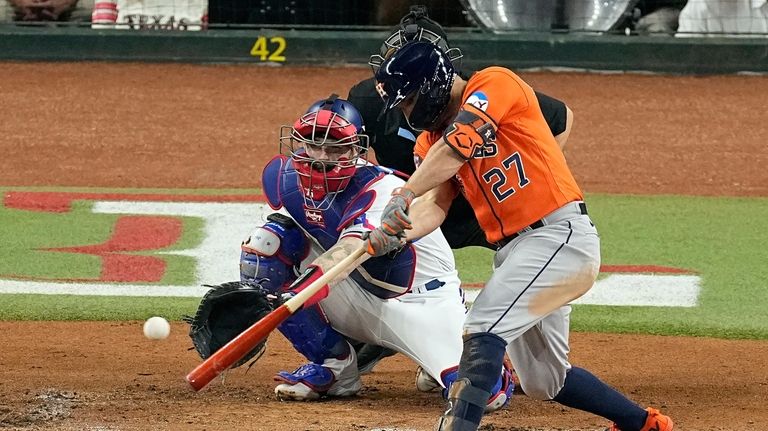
[[380, 90]]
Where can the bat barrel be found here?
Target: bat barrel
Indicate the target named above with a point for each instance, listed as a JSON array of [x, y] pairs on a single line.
[[236, 349], [239, 346]]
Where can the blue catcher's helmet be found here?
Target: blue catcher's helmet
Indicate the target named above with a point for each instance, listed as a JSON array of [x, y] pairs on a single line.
[[342, 107], [422, 70]]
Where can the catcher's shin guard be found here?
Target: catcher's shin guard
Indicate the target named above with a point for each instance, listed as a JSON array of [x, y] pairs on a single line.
[[312, 336]]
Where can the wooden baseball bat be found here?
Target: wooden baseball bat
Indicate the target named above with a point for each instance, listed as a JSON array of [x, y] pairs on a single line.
[[236, 349]]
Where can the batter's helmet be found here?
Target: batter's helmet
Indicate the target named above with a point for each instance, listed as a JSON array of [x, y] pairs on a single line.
[[421, 69], [414, 26]]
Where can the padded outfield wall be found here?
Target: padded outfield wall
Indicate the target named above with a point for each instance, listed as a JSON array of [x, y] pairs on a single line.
[[305, 47]]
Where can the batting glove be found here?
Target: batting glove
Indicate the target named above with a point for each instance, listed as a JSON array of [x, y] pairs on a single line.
[[394, 218], [381, 243]]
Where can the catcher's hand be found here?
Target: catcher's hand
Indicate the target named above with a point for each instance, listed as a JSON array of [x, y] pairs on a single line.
[[224, 313], [394, 217]]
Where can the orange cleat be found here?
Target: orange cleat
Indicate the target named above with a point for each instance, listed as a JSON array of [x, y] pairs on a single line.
[[655, 422]]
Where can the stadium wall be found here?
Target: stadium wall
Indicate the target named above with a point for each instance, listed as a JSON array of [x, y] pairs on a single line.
[[305, 47]]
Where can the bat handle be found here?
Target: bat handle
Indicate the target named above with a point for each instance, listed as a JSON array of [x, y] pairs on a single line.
[[297, 301]]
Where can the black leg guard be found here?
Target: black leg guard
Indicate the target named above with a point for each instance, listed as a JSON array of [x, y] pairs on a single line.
[[462, 398], [481, 361]]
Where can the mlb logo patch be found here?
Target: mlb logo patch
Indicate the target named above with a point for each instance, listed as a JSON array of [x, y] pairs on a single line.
[[479, 100]]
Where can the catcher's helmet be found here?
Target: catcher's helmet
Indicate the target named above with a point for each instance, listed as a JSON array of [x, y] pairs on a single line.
[[341, 107], [422, 70], [414, 26], [325, 144]]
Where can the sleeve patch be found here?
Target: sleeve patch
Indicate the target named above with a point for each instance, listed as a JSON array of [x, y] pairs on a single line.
[[479, 100], [470, 132]]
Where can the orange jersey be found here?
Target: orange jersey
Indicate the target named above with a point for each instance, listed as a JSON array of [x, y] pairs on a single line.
[[515, 172]]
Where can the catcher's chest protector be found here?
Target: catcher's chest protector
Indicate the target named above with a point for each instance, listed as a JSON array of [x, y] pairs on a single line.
[[391, 276]]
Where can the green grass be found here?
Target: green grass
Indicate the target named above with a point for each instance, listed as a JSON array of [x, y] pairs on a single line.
[[721, 239], [76, 307], [26, 236]]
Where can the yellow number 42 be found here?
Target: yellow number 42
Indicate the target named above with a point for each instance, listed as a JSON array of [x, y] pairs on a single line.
[[261, 48]]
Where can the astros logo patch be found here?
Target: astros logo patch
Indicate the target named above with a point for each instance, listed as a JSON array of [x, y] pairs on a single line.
[[479, 100], [380, 89]]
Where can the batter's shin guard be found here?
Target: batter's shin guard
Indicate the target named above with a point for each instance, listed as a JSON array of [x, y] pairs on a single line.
[[462, 398], [479, 367]]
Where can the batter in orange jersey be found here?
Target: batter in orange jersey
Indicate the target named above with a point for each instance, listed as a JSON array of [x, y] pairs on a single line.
[[520, 176], [489, 134]]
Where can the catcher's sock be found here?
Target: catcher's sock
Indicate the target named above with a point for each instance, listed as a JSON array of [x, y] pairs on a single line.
[[584, 391], [479, 367]]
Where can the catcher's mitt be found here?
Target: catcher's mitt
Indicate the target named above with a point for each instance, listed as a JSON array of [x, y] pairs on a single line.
[[224, 312]]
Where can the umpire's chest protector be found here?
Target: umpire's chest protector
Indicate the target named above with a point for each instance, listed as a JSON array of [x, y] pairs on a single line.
[[385, 277]]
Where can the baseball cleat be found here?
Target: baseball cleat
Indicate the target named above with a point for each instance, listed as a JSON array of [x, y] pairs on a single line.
[[655, 422], [503, 392], [312, 381], [425, 382]]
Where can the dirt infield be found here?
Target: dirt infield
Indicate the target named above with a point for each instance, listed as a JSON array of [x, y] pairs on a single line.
[[184, 126]]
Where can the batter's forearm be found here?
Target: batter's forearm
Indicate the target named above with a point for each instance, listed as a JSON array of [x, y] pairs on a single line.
[[427, 217], [440, 165], [429, 211]]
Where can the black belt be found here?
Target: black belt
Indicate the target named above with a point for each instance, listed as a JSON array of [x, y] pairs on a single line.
[[535, 225]]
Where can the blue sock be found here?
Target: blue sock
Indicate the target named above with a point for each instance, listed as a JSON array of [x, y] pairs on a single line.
[[584, 391]]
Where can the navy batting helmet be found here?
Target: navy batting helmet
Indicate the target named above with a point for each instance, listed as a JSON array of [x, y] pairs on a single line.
[[422, 70]]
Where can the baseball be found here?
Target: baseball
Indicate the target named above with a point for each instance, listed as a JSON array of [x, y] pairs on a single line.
[[156, 328]]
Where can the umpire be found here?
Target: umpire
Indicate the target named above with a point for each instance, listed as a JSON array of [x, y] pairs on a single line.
[[392, 140]]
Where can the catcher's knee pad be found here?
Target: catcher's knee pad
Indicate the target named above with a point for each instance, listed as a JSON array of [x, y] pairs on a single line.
[[312, 336], [270, 254]]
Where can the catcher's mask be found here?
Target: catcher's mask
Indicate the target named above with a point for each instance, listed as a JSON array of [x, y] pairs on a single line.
[[415, 26], [420, 71], [326, 145]]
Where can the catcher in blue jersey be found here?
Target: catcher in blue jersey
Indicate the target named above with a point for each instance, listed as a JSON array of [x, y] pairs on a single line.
[[409, 301]]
